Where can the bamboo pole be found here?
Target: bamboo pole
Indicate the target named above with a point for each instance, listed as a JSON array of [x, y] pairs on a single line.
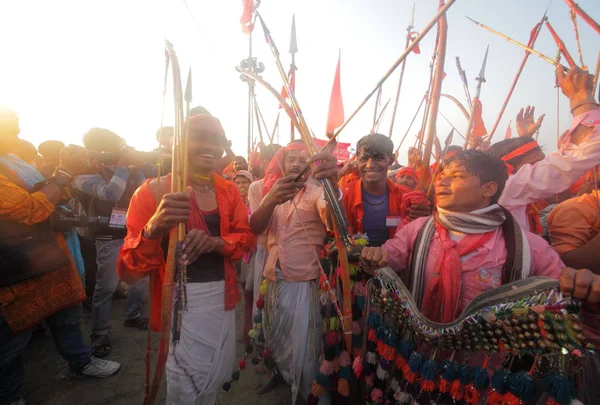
[[435, 96]]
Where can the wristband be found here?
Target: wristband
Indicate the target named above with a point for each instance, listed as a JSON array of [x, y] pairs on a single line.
[[581, 105], [64, 174]]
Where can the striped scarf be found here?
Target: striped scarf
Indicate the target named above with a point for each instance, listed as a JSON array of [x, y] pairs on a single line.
[[479, 227]]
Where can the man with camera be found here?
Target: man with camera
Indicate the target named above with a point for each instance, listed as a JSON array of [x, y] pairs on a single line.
[[107, 194], [38, 279]]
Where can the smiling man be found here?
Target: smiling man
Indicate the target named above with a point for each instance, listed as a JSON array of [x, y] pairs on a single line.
[[217, 233], [469, 246], [373, 202]]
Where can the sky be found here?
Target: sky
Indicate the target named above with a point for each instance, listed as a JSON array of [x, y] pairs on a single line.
[[70, 65]]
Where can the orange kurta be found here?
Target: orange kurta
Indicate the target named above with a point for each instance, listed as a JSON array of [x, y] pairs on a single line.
[[28, 303], [140, 257]]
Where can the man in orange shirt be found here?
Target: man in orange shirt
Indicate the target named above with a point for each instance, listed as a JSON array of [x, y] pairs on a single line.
[[293, 214], [217, 233]]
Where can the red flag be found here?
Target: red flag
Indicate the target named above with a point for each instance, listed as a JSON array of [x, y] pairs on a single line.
[[413, 35], [340, 151], [335, 115], [246, 20], [508, 134], [478, 125]]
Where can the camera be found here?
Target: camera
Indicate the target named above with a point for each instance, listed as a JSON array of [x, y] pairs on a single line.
[[63, 220]]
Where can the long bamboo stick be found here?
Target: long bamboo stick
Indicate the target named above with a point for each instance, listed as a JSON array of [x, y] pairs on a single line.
[[435, 96], [585, 16]]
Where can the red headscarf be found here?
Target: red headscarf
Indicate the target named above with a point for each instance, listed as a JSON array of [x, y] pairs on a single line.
[[408, 171], [520, 151], [274, 171]]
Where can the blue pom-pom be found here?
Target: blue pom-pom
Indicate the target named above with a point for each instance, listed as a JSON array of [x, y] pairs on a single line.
[[464, 374], [405, 348], [415, 362], [480, 378], [381, 332], [258, 318], [450, 371], [560, 388], [360, 302], [356, 341], [428, 370], [345, 372], [500, 381], [323, 380], [522, 386], [374, 320]]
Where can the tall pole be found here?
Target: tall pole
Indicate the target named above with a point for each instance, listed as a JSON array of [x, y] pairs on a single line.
[[463, 78], [436, 91], [480, 80], [293, 67], [408, 31], [251, 64]]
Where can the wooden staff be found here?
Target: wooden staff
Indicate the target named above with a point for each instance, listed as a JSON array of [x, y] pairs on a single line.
[[575, 7], [411, 124], [597, 72], [435, 96]]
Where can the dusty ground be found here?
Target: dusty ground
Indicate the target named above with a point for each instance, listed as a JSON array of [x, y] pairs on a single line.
[[45, 384]]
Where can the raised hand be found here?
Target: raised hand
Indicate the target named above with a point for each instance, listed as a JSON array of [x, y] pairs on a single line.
[[526, 124]]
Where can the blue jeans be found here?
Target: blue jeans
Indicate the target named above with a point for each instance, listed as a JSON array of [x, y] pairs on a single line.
[[107, 280], [65, 328]]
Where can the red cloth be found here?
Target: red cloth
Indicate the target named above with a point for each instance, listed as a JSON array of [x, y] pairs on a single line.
[[479, 128], [533, 217], [140, 257], [408, 171], [335, 114], [444, 291], [275, 169], [246, 20], [352, 201], [413, 35], [520, 151]]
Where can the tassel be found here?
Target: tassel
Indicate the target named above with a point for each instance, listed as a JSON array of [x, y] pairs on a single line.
[[371, 335], [522, 386], [448, 375], [371, 358], [343, 387], [376, 395], [312, 400], [501, 381], [357, 366], [356, 328], [428, 375], [326, 368], [495, 398], [458, 386], [317, 389], [333, 338], [479, 382], [381, 373], [345, 360], [400, 362], [560, 389], [405, 348], [369, 380]]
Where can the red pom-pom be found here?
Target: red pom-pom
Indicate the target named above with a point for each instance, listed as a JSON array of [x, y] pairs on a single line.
[[376, 395], [357, 366], [333, 338], [242, 364], [260, 304], [266, 354]]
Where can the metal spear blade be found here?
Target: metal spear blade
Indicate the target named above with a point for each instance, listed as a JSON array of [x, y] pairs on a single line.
[[188, 87], [482, 71], [293, 42]]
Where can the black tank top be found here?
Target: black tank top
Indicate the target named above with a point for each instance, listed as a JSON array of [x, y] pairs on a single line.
[[208, 267]]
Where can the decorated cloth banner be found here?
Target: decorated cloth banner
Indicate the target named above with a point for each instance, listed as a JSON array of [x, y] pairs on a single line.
[[340, 152]]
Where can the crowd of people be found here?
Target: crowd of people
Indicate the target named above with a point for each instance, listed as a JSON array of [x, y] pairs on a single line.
[[76, 222]]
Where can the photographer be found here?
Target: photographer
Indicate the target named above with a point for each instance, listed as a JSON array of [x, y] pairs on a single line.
[[107, 194], [38, 280]]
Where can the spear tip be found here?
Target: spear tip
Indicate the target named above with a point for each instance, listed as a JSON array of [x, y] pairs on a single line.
[[293, 42], [482, 71], [476, 22], [188, 87]]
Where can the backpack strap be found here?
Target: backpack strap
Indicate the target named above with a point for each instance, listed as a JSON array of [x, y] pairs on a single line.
[[414, 278], [516, 247]]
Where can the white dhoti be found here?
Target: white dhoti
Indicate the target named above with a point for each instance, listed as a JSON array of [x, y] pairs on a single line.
[[203, 359], [293, 332]]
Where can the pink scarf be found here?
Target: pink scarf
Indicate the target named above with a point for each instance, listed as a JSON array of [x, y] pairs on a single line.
[[442, 297]]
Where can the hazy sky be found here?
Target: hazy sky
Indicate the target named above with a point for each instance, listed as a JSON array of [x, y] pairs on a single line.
[[72, 65]]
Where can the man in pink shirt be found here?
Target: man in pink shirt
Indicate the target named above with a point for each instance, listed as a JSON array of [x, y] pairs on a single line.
[[538, 177], [471, 244], [293, 214]]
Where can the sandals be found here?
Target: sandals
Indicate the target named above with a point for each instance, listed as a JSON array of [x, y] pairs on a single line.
[[101, 345]]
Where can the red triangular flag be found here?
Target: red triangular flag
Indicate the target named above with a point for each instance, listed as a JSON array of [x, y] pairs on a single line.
[[335, 115], [413, 35], [508, 134], [478, 125], [246, 20]]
